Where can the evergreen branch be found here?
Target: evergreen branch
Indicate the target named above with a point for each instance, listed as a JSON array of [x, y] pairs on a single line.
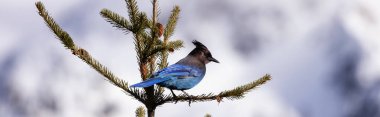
[[145, 35], [140, 46], [137, 94], [140, 112], [170, 26], [148, 46], [81, 53], [168, 32], [141, 37], [152, 52], [62, 35], [171, 46], [151, 41], [116, 20], [152, 23], [133, 13], [159, 92], [142, 21], [155, 9], [232, 94], [239, 92], [175, 45]]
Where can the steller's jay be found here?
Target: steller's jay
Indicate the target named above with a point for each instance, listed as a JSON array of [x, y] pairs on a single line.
[[184, 74]]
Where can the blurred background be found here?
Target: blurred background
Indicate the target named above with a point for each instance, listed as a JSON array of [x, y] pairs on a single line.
[[323, 55]]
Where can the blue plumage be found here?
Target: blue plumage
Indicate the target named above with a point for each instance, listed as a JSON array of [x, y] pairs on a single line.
[[151, 82], [184, 74]]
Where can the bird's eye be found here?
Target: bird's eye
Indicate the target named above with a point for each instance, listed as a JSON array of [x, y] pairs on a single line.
[[209, 55]]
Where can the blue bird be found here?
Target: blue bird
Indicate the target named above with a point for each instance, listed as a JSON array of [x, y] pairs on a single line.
[[184, 74]]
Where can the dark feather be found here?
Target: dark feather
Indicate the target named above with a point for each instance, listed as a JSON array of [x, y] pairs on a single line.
[[198, 44]]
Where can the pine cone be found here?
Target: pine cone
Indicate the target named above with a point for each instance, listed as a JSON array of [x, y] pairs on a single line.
[[160, 29]]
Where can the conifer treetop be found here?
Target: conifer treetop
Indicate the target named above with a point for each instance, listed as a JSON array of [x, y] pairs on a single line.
[[152, 54]]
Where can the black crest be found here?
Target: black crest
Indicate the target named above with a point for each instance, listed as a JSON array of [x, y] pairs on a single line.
[[199, 47], [198, 44]]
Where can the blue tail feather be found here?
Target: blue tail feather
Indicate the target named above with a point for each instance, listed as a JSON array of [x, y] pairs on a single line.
[[150, 82]]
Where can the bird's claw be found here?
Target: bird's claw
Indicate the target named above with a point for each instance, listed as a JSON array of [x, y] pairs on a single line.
[[174, 96]]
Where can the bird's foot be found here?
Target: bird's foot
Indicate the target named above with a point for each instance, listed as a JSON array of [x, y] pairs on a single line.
[[174, 96]]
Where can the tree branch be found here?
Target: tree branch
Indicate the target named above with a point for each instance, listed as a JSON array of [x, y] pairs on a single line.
[[140, 112], [148, 46], [67, 41], [116, 20], [232, 94], [170, 26], [63, 36], [133, 12]]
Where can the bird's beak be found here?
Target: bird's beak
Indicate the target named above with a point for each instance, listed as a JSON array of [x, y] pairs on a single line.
[[213, 59]]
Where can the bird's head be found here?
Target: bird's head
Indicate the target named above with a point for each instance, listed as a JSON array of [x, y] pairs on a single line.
[[202, 53]]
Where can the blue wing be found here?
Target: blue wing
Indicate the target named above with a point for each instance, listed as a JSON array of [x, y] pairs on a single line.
[[169, 73], [178, 71], [183, 77], [150, 82]]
